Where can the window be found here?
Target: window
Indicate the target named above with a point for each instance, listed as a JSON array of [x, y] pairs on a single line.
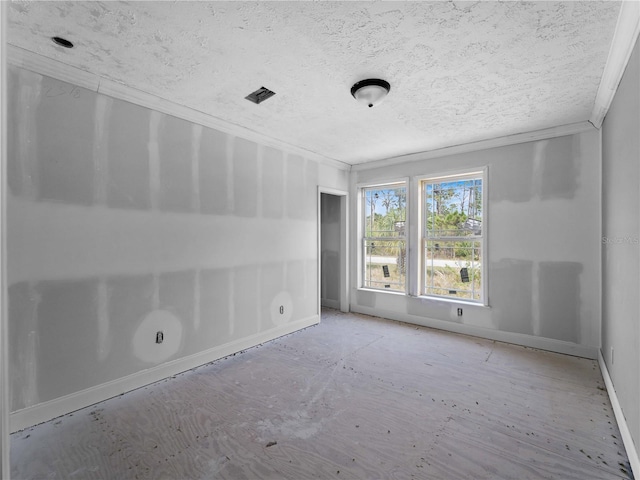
[[452, 237], [384, 246]]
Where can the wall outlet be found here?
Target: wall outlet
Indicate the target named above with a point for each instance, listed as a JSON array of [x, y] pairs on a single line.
[[159, 337], [459, 312]]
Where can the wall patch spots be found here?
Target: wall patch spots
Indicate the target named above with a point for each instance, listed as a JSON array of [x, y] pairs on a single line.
[[68, 337], [145, 337], [101, 148], [129, 156], [245, 178], [22, 135], [513, 299], [155, 123], [23, 302], [559, 287], [273, 181], [215, 309], [560, 170], [175, 143], [281, 308], [213, 173], [64, 122]]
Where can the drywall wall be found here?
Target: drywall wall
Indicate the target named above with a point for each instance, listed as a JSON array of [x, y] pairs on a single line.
[[543, 262], [123, 221], [330, 283], [621, 244]]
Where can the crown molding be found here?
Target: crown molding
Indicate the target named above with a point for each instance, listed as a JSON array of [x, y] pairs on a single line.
[[559, 131], [33, 62], [61, 71], [622, 44]]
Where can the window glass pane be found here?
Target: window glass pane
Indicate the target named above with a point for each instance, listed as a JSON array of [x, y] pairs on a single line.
[[385, 266], [384, 246], [453, 208], [453, 216], [453, 268], [385, 211]]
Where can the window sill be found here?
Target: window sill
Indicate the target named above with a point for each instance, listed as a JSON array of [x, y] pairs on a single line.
[[376, 290], [452, 301], [425, 298]]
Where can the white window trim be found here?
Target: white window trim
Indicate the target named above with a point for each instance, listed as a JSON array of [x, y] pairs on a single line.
[[417, 238], [413, 235], [360, 187]]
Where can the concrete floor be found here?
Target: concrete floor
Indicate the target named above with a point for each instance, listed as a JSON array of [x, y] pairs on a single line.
[[354, 397]]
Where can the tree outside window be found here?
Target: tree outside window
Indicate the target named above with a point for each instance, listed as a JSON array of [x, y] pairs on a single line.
[[453, 237], [384, 239]]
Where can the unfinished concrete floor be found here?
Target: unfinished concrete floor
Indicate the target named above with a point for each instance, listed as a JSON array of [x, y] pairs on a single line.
[[354, 397]]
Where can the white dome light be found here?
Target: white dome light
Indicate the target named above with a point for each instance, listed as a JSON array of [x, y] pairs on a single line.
[[370, 92]]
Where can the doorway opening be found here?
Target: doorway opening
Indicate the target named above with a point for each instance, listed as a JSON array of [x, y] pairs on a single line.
[[333, 259]]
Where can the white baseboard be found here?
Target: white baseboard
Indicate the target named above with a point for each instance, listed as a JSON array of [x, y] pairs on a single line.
[[627, 439], [46, 411], [541, 343]]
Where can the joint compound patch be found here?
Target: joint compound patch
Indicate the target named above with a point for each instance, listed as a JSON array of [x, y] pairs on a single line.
[[144, 340], [281, 308]]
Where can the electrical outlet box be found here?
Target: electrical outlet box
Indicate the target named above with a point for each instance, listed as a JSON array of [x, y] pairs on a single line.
[[459, 312]]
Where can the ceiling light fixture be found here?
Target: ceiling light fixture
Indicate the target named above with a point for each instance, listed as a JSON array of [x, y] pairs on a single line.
[[63, 42], [371, 91]]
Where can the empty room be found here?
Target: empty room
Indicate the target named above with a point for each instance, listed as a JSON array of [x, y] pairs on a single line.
[[328, 239]]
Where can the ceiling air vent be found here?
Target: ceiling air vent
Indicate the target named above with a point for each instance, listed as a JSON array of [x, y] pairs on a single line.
[[260, 95]]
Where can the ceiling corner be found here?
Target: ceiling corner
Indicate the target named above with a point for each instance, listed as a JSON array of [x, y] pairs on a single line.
[[624, 39]]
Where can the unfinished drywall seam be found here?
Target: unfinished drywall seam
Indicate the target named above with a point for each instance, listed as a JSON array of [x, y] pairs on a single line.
[[536, 322], [259, 186], [258, 294], [29, 380], [101, 148], [196, 302], [29, 95], [196, 138], [283, 197], [230, 181], [155, 120], [104, 343], [231, 303], [286, 206], [155, 299]]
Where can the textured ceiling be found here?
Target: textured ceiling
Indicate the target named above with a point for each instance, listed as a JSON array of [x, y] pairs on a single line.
[[459, 71]]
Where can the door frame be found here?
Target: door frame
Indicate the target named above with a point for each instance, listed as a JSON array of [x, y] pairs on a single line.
[[344, 245]]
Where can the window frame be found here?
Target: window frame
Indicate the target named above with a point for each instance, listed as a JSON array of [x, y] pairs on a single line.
[[421, 237], [362, 212]]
